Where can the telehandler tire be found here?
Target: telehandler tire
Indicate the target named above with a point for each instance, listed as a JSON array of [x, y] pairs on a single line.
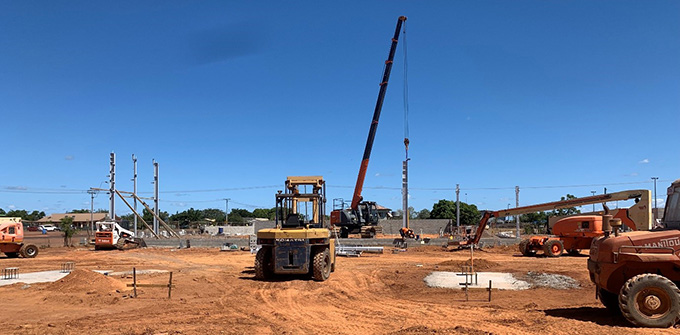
[[29, 251], [322, 265], [553, 248], [524, 248], [650, 300], [263, 264]]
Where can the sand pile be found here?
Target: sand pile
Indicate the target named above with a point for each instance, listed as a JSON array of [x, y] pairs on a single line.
[[479, 263], [80, 280]]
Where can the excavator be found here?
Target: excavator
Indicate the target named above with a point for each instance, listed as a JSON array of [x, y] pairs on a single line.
[[637, 274], [572, 233], [362, 216]]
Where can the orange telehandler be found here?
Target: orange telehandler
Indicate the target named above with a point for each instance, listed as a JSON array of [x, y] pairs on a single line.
[[637, 274], [571, 233], [12, 239]]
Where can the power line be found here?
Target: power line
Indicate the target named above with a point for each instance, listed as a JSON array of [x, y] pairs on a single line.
[[31, 190]]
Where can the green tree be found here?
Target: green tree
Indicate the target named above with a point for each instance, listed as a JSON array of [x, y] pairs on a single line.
[[18, 213], [424, 214], [148, 216], [35, 216], [444, 209], [68, 230], [566, 211], [535, 218], [2, 212], [213, 213], [469, 214], [244, 213], [130, 217], [75, 211], [264, 213], [235, 218]]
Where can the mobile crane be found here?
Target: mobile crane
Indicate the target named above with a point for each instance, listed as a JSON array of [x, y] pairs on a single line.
[[571, 233], [362, 216]]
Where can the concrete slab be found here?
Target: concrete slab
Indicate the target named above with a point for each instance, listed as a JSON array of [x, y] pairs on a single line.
[[452, 280], [35, 277]]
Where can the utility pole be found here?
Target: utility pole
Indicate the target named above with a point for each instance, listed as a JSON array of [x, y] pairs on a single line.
[[517, 205], [91, 193], [656, 211], [593, 192], [226, 211], [404, 194], [112, 185], [155, 197], [134, 188], [457, 205]]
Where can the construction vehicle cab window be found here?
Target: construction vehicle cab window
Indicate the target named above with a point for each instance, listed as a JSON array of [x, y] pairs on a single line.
[[301, 243]]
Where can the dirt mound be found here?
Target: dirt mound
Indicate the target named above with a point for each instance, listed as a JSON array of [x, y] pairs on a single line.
[[86, 281], [479, 263]]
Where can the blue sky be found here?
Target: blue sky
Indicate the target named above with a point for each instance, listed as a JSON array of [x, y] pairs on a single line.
[[230, 97]]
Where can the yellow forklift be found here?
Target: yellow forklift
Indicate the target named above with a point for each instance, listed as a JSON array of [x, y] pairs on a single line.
[[301, 243]]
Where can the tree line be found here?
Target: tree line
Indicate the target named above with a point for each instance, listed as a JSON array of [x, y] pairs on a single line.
[[443, 209]]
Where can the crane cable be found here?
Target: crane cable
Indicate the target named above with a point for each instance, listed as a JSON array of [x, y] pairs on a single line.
[[406, 130]]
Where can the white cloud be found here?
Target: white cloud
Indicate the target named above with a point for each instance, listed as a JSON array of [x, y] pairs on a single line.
[[17, 188], [632, 174], [644, 161], [660, 203], [69, 157], [179, 204], [377, 174], [11, 207]]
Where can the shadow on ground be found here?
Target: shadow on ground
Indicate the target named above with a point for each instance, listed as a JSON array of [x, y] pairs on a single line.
[[600, 316]]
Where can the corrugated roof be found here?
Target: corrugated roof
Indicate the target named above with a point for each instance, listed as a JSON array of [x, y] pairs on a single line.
[[77, 217]]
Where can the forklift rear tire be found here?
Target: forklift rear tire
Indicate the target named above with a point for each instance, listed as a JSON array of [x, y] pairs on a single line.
[[322, 265], [263, 264], [553, 248], [29, 251], [650, 300]]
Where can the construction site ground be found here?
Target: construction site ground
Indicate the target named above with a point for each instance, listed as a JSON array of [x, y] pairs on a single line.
[[215, 293]]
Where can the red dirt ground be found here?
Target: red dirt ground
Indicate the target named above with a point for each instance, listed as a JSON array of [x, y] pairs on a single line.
[[378, 294]]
